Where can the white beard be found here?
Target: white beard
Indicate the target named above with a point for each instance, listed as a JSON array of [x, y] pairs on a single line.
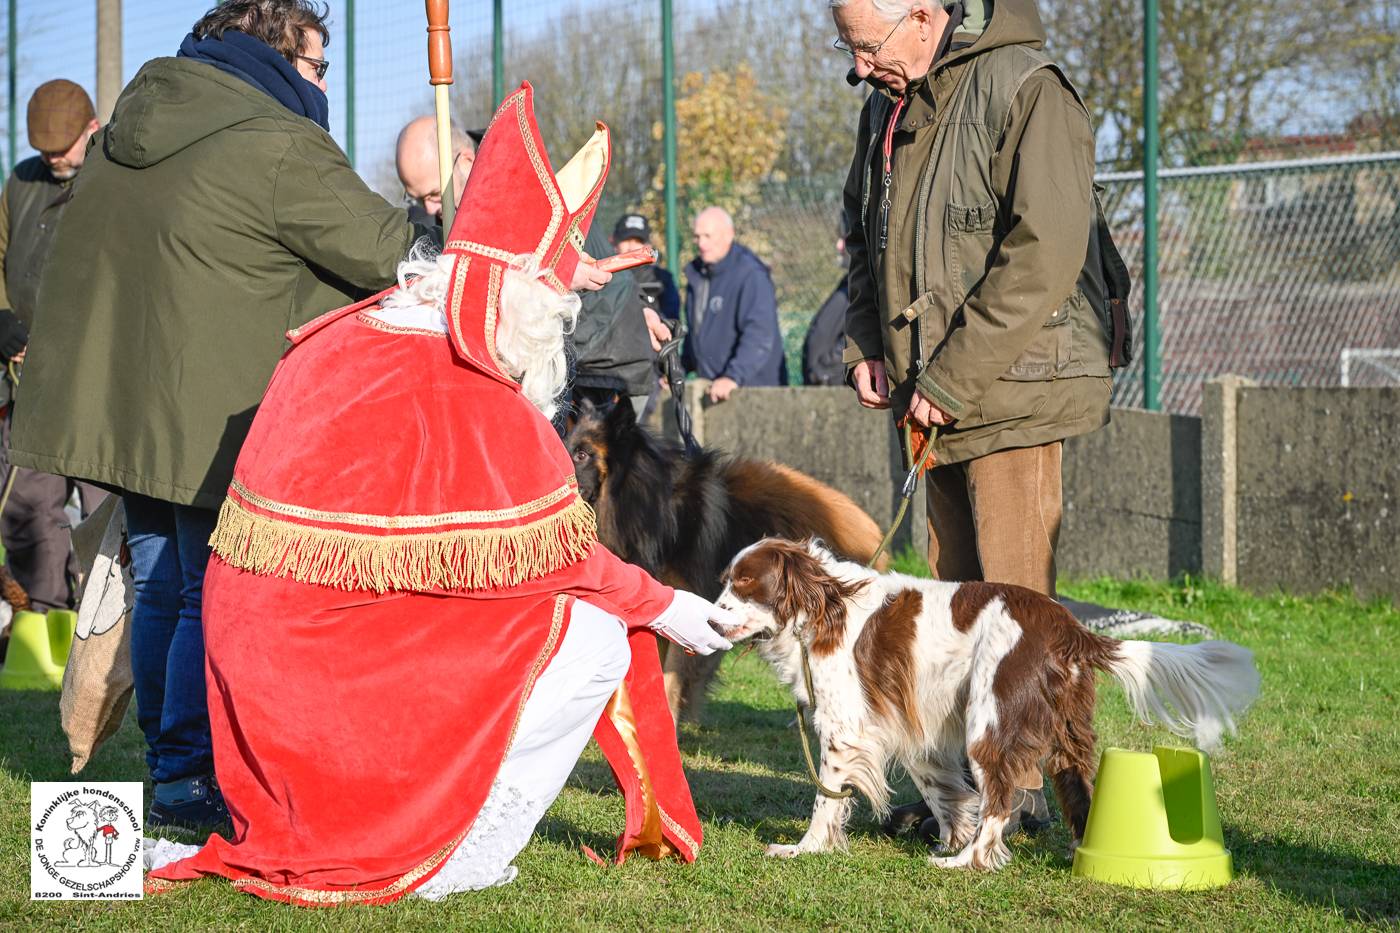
[[534, 321]]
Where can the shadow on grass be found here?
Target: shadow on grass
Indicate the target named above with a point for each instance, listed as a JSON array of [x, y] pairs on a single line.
[[721, 766], [35, 749], [1357, 888], [565, 832]]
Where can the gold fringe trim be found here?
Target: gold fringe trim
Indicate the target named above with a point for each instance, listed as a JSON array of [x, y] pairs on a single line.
[[471, 559]]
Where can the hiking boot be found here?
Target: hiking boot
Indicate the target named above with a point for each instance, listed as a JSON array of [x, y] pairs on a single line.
[[195, 804], [910, 816]]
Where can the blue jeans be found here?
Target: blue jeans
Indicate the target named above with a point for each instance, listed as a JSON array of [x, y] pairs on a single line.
[[169, 547]]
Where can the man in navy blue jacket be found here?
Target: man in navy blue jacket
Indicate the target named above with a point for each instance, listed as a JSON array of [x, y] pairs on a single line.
[[732, 312]]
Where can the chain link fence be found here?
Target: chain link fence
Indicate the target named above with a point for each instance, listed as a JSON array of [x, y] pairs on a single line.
[[1271, 271], [1285, 272]]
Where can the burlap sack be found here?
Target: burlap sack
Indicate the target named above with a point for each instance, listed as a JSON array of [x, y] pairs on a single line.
[[97, 682]]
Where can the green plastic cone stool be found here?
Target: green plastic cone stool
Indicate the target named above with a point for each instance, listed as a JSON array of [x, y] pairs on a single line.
[[1153, 823], [38, 650]]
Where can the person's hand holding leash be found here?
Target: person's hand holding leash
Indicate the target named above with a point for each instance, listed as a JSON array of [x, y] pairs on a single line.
[[925, 413], [656, 329], [687, 623], [872, 388]]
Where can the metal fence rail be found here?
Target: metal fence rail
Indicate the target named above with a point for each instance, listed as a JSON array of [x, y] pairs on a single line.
[[1272, 270]]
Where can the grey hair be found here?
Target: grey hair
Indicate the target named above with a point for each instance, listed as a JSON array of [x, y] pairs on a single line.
[[888, 10]]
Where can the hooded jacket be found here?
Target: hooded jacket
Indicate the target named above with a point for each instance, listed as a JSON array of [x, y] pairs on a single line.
[[207, 221], [976, 296], [732, 316]]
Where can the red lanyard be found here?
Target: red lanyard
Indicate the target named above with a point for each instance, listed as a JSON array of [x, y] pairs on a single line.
[[889, 133], [889, 173]]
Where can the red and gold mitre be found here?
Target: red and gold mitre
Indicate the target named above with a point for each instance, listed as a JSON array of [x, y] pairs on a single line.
[[514, 205], [394, 458]]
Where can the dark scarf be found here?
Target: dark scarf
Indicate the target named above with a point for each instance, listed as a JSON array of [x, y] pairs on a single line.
[[262, 66]]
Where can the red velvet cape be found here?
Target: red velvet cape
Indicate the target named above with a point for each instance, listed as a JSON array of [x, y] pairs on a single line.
[[358, 727]]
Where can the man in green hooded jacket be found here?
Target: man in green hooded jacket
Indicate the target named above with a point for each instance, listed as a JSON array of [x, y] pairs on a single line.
[[213, 213], [971, 199]]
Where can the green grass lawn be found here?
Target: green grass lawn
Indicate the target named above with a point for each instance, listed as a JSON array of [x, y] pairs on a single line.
[[1309, 796]]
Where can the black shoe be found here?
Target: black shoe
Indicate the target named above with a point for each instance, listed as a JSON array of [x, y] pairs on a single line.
[[1029, 812], [198, 805], [902, 819]]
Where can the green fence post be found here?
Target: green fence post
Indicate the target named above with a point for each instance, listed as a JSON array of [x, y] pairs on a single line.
[[1151, 338], [668, 107], [12, 53], [350, 81], [498, 53]]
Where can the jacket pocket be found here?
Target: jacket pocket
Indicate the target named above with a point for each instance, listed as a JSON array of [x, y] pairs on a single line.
[[1051, 350], [969, 236]]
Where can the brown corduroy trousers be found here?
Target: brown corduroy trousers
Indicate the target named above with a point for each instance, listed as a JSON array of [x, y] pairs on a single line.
[[997, 518]]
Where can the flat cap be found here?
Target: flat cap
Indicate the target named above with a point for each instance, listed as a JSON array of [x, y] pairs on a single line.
[[59, 111]]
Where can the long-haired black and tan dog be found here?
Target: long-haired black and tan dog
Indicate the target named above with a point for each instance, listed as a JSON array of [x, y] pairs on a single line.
[[683, 518], [951, 680]]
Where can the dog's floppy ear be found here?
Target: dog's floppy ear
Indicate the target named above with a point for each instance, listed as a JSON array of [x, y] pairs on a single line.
[[807, 589]]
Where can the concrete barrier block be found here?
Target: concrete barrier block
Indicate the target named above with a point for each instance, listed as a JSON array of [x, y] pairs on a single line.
[[1318, 489], [1132, 498]]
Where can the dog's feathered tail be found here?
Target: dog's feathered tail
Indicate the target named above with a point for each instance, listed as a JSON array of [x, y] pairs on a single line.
[[1196, 691]]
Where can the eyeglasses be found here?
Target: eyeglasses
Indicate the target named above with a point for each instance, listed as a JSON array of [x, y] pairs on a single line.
[[320, 64], [869, 52], [409, 200]]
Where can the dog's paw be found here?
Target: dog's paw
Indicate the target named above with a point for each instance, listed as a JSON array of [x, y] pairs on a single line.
[[972, 858], [779, 851], [957, 841], [949, 861]]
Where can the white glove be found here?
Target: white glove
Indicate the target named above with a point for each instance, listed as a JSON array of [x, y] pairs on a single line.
[[687, 623]]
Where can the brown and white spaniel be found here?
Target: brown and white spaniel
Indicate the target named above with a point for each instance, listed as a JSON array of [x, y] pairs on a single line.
[[955, 679]]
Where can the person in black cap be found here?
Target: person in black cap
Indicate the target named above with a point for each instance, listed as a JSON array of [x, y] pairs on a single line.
[[659, 292], [34, 526]]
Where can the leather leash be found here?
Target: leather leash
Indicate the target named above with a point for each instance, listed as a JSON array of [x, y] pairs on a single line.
[[906, 493]]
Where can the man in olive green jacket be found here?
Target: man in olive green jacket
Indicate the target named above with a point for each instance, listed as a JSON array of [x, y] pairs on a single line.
[[34, 524], [969, 243], [970, 199], [214, 213]]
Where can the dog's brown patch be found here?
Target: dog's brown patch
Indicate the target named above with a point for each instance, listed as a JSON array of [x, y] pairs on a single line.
[[969, 599], [12, 592], [1045, 694], [884, 656], [786, 579]]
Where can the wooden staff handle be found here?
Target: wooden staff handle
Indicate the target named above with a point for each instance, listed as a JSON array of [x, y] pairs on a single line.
[[439, 43], [440, 76]]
